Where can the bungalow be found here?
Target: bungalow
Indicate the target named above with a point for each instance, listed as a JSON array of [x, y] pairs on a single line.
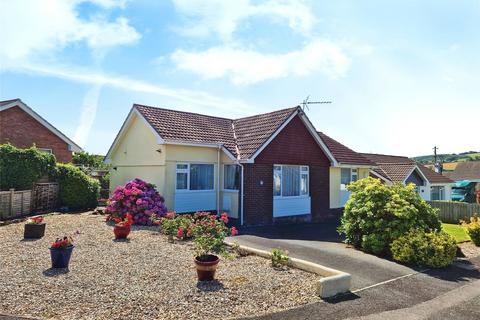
[[261, 169], [397, 169], [21, 126]]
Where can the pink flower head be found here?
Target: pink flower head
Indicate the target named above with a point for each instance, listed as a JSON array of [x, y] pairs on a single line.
[[180, 233], [233, 231], [224, 218]]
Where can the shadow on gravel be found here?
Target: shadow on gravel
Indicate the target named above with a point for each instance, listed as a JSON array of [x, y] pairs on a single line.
[[121, 240], [29, 239], [55, 272], [210, 286], [349, 296], [322, 231]]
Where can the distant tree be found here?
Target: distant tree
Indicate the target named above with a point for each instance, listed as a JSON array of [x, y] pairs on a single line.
[[86, 159]]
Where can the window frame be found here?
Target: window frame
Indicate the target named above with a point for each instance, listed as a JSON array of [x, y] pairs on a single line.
[[45, 150], [187, 171], [353, 173], [441, 192], [300, 172], [238, 168]]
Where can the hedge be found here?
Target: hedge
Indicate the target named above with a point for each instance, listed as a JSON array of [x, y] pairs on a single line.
[[21, 168], [77, 190]]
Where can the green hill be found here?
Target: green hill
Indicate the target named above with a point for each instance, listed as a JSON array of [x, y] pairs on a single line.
[[452, 157]]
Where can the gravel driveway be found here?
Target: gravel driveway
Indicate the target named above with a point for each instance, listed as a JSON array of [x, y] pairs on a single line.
[[144, 278]]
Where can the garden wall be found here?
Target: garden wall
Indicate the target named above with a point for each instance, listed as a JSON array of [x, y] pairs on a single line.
[[452, 212]]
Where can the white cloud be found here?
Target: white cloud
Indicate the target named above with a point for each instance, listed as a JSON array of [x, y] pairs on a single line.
[[223, 17], [29, 28], [245, 66]]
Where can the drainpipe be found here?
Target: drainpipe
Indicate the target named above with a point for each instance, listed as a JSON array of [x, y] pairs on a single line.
[[241, 193], [218, 179]]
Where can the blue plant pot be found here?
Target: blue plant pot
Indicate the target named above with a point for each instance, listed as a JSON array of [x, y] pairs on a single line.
[[60, 257]]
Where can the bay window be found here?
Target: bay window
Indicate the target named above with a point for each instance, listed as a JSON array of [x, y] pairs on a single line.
[[290, 181], [195, 176], [231, 177]]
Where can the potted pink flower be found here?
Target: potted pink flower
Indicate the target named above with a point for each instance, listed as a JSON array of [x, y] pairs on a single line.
[[61, 251], [34, 228], [208, 236]]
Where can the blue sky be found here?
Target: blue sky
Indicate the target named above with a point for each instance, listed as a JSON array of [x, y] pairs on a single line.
[[402, 75]]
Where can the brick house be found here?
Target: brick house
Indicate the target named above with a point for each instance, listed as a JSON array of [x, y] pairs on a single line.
[[263, 169], [23, 127]]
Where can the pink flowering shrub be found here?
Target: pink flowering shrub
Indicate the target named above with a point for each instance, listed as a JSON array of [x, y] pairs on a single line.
[[138, 198]]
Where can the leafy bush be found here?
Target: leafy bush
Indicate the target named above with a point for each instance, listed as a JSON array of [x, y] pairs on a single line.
[[376, 214], [20, 168], [138, 198], [473, 229], [435, 249], [86, 159], [77, 190]]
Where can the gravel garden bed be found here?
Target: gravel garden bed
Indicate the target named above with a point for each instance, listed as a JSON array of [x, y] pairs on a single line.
[[143, 278]]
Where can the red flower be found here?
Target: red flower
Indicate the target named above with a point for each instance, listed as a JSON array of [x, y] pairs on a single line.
[[233, 231], [180, 233], [117, 220], [224, 218]]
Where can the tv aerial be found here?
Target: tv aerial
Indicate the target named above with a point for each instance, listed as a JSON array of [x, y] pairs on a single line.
[[306, 102]]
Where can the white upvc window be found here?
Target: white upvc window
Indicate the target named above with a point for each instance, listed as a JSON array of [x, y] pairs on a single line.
[[195, 176], [290, 181], [231, 177], [437, 193], [347, 175], [45, 150]]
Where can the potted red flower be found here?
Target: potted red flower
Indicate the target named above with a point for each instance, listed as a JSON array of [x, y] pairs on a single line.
[[122, 227], [208, 236], [34, 228], [61, 251]]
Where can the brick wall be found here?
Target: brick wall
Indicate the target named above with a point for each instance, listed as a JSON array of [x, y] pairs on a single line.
[[293, 145], [22, 130]]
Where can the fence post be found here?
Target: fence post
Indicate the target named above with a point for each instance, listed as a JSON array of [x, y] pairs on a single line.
[[12, 199]]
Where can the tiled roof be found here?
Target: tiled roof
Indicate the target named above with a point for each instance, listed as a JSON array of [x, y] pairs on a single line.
[[187, 126], [242, 137], [397, 168], [433, 176], [343, 154], [250, 132], [468, 170], [5, 102]]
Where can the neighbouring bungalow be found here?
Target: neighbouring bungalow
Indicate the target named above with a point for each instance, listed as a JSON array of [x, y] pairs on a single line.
[[397, 169], [262, 169], [21, 126]]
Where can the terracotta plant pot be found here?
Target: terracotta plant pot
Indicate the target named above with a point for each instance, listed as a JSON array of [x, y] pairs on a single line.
[[61, 257], [206, 267], [121, 232], [34, 231]]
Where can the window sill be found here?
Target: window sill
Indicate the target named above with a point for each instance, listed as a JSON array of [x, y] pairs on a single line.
[[193, 191], [229, 190], [291, 197]]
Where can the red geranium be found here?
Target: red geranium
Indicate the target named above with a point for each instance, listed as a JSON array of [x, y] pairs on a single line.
[[63, 243], [124, 222]]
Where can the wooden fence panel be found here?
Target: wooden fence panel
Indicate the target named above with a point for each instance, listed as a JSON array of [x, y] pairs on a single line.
[[43, 198], [452, 212], [15, 203]]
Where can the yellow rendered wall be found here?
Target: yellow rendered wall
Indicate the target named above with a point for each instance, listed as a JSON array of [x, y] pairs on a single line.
[[136, 156], [335, 174]]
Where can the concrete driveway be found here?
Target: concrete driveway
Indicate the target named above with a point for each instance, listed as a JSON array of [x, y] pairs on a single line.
[[379, 286]]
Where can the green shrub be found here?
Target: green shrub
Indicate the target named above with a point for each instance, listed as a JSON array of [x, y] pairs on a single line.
[[279, 258], [77, 190], [376, 214], [473, 229], [435, 249], [21, 168]]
